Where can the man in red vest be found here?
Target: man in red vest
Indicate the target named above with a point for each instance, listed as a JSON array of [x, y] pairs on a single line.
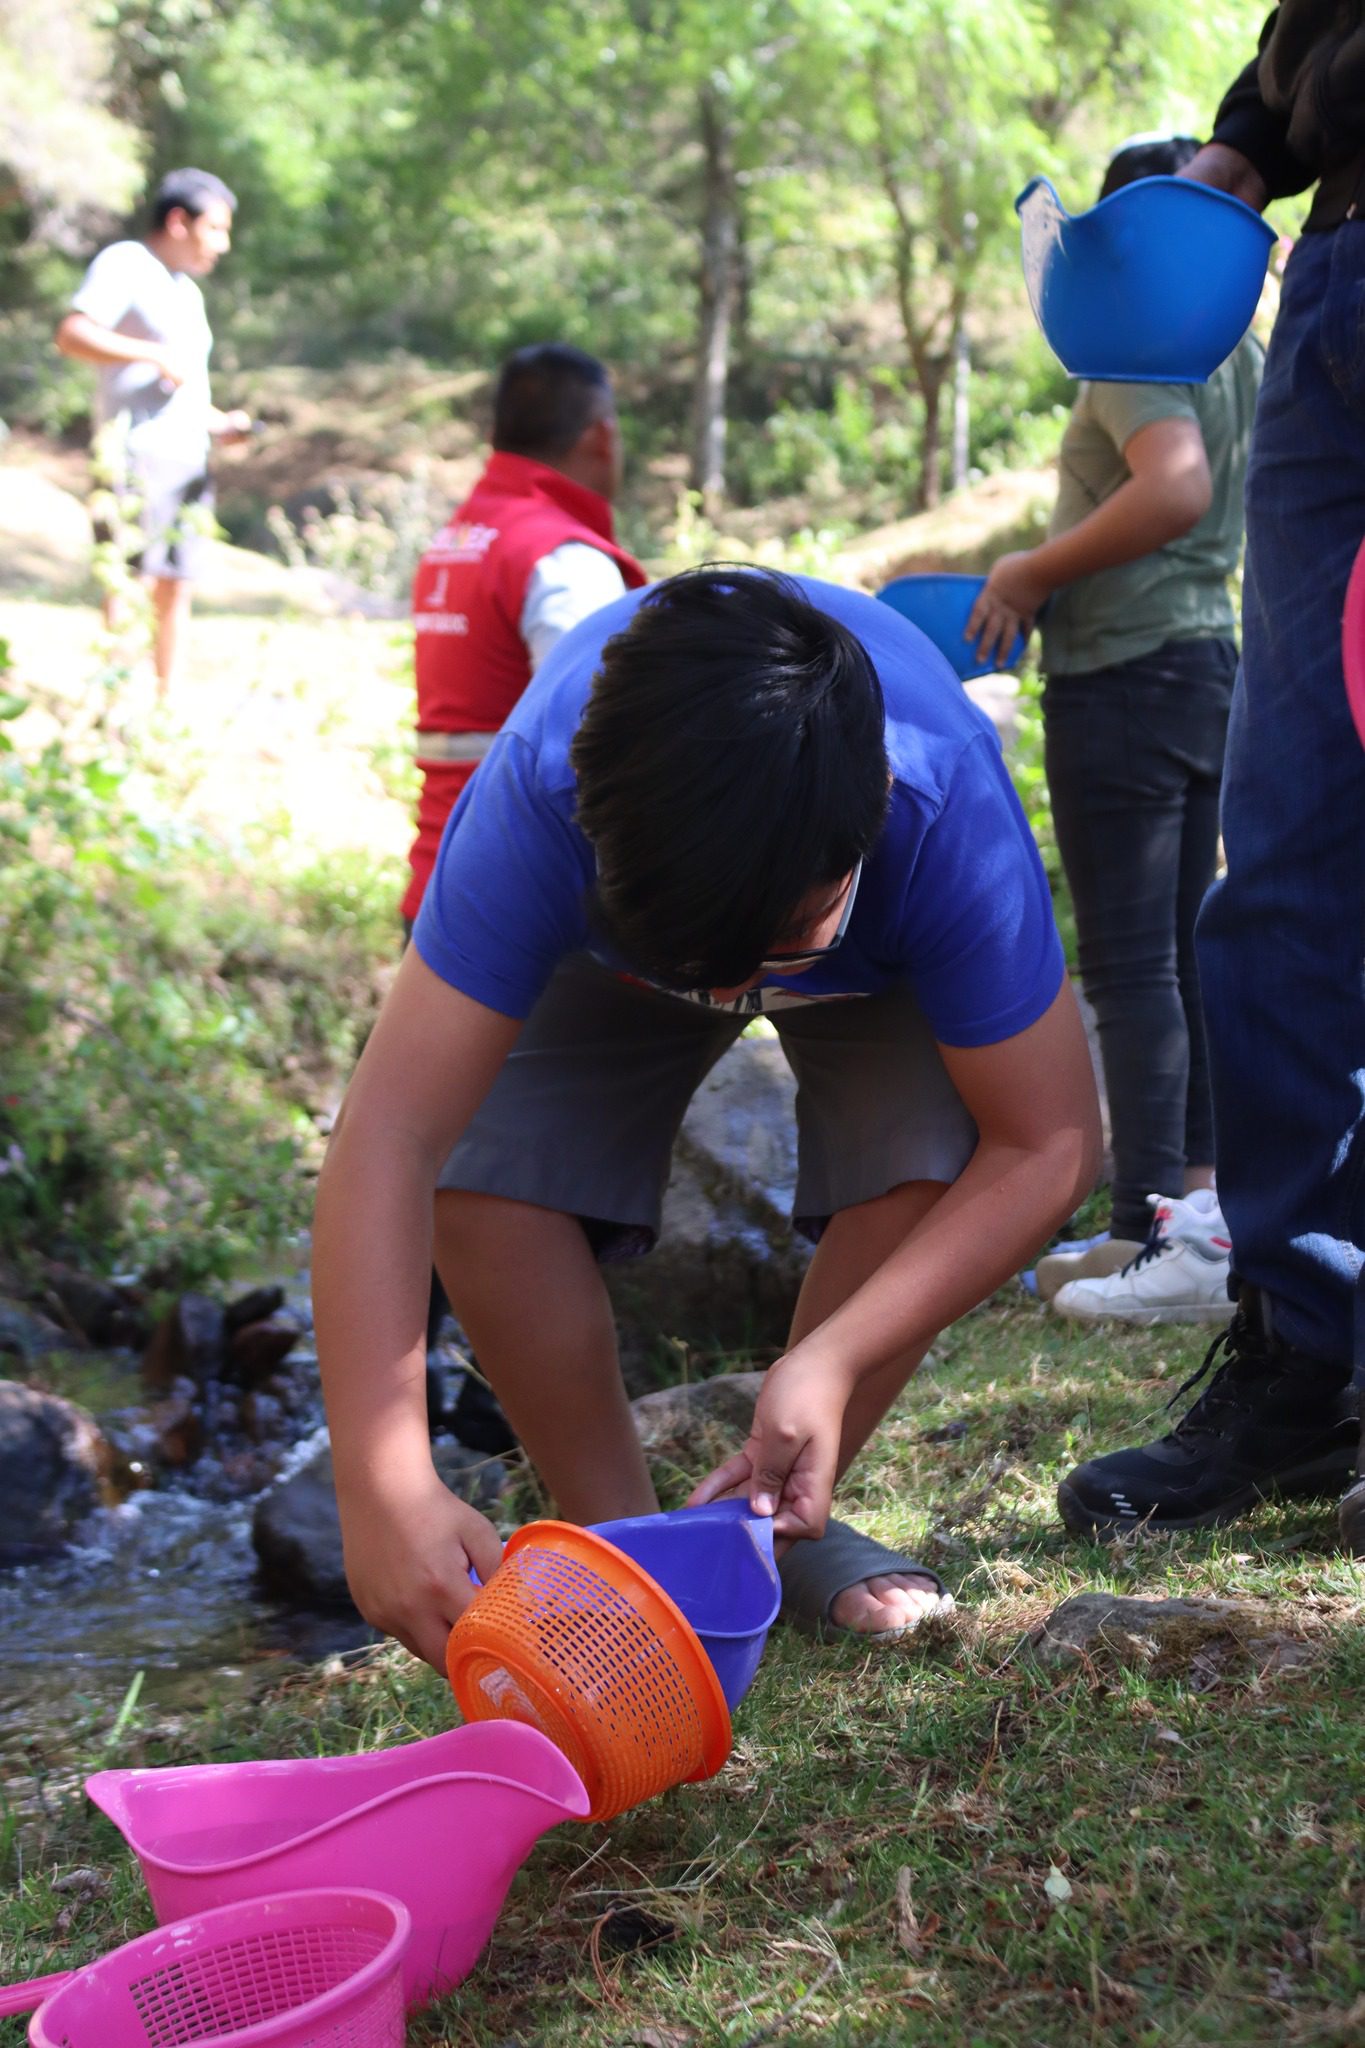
[[529, 553]]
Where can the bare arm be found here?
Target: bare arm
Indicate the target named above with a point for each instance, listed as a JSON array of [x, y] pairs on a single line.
[[1167, 494], [1038, 1152], [409, 1543], [84, 339]]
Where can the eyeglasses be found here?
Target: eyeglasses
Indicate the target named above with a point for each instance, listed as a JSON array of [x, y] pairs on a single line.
[[788, 963]]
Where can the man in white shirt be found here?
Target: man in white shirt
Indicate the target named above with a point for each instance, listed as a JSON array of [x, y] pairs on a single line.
[[139, 317]]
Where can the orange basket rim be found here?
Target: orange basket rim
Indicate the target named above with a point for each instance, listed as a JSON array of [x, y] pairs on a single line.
[[717, 1733]]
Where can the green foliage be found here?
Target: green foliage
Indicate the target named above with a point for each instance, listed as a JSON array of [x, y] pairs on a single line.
[[458, 179], [1019, 404], [866, 441], [1029, 774], [67, 156], [63, 145], [38, 387], [168, 1025], [810, 551], [374, 540]]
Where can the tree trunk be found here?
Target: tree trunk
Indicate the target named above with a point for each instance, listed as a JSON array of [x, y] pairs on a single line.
[[933, 362], [932, 378], [962, 415], [741, 347], [719, 292]]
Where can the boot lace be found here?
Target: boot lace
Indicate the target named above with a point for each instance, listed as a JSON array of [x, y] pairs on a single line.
[[1246, 1360]]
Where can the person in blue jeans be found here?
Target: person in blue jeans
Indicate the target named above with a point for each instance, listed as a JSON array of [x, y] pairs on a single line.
[[1281, 938], [1139, 659]]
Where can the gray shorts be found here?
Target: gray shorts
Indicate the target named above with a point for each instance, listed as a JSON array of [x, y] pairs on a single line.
[[583, 1115], [164, 518]]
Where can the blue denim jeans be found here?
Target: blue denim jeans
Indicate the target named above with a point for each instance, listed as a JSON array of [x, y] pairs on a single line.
[[1134, 758], [1281, 939]]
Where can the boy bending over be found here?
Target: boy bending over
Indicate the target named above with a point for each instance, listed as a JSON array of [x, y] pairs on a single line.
[[733, 792]]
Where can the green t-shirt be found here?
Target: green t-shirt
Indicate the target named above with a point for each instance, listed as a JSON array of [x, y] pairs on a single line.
[[1181, 591]]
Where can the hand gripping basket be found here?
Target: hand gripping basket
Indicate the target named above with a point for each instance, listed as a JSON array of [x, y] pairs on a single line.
[[571, 1636]]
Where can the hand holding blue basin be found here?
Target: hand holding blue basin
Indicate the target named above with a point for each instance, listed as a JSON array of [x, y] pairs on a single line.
[[1156, 284], [941, 606]]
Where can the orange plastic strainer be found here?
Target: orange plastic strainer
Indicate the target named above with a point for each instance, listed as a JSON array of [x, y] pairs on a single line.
[[571, 1636]]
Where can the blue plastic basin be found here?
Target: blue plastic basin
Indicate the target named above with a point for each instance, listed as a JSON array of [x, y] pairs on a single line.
[[940, 606], [1155, 285], [717, 1563]]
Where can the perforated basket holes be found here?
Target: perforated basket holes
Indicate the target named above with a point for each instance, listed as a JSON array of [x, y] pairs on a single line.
[[246, 1982], [609, 1655], [546, 1617]]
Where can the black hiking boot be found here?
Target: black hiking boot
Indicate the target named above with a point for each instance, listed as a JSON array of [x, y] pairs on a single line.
[[1353, 1520], [1353, 1508], [1271, 1420]]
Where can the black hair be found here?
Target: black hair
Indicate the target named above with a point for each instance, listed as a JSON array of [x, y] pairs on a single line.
[[731, 760], [193, 192], [1148, 156], [547, 396]]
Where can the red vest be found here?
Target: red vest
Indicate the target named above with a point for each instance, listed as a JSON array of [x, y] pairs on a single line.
[[467, 600]]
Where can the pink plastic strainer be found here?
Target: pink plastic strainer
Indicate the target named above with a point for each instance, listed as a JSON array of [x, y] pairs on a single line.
[[319, 1969]]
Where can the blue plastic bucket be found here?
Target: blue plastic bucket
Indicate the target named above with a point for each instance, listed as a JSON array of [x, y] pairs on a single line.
[[717, 1564], [941, 606], [1155, 285]]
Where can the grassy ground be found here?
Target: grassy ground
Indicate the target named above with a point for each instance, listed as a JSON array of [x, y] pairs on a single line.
[[935, 1841], [287, 734]]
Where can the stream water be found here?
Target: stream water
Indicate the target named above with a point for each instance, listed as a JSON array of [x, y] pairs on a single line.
[[162, 1585]]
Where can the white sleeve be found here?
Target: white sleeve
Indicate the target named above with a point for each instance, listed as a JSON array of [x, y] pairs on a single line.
[[109, 286], [565, 586]]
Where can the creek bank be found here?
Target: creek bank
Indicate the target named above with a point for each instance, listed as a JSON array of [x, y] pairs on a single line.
[[196, 1428], [296, 1529], [54, 1468], [211, 1397], [149, 1435]]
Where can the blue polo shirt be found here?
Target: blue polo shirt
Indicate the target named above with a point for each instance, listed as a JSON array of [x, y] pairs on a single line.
[[953, 901]]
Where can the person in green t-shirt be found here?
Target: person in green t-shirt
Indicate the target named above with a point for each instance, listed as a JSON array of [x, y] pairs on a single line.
[[1139, 658]]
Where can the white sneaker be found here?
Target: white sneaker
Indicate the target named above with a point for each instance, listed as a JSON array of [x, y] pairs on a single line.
[[1195, 1218], [1179, 1276]]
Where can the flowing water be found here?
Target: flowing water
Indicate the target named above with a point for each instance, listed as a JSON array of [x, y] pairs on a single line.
[[157, 1607]]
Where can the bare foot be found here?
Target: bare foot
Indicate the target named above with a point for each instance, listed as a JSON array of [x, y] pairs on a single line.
[[900, 1600]]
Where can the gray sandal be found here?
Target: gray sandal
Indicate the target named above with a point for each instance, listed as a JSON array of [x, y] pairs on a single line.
[[813, 1576]]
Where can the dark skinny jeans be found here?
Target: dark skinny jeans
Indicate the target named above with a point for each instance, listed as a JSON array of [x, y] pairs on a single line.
[[1134, 761]]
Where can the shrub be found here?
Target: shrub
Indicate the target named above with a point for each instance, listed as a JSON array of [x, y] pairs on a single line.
[[1019, 407], [373, 540], [865, 441], [173, 1030], [1029, 775]]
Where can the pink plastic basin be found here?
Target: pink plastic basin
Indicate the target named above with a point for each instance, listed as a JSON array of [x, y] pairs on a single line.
[[443, 1825], [1353, 643]]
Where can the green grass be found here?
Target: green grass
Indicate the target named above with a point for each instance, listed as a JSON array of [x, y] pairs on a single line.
[[871, 1865]]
